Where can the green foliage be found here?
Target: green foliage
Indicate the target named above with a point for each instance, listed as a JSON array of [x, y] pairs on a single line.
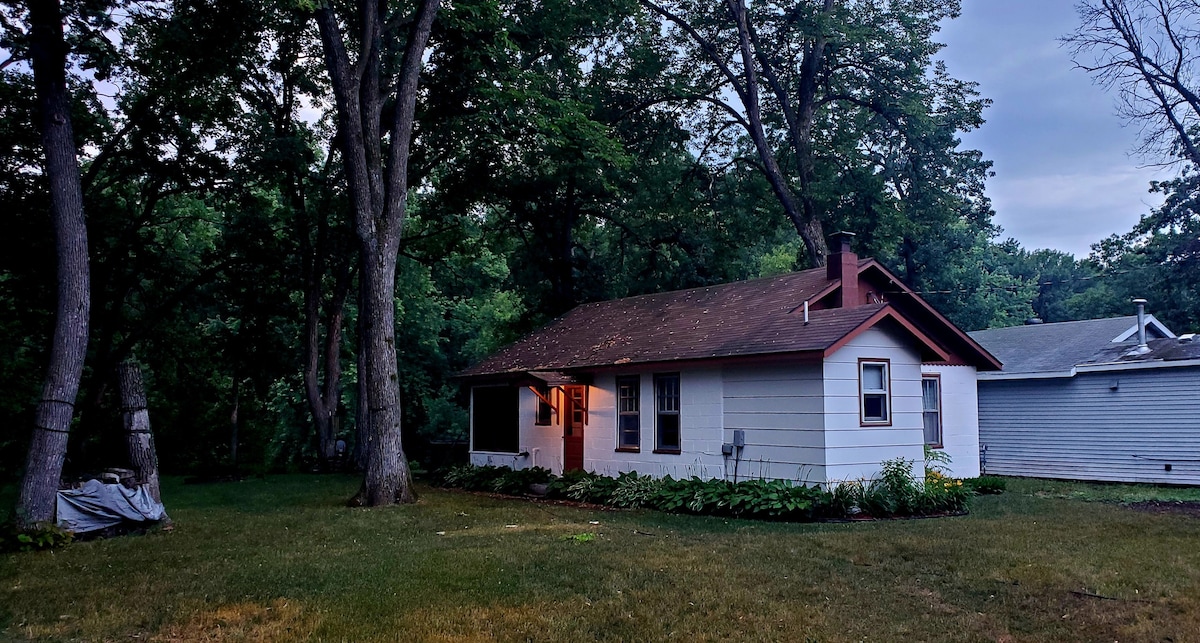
[[493, 479], [986, 485], [593, 488], [41, 538], [635, 491], [897, 492]]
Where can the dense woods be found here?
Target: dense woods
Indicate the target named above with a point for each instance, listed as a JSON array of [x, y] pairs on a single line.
[[302, 218]]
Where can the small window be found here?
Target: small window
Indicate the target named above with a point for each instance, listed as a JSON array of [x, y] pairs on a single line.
[[875, 398], [931, 404], [666, 395], [629, 417], [545, 412]]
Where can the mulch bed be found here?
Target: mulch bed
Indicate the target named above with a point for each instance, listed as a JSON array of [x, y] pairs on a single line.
[[1179, 508]]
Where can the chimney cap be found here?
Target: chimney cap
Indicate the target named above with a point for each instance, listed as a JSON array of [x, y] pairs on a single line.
[[843, 234], [1139, 300]]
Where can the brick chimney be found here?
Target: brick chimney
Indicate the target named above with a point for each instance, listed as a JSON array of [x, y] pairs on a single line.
[[842, 264]]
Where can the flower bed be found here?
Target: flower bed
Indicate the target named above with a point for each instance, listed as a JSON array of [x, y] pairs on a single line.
[[896, 493]]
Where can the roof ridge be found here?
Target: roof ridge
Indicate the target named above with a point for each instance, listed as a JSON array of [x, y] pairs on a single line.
[[1061, 323], [697, 288]]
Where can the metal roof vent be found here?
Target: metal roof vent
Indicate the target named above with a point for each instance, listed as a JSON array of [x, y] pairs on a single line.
[[1142, 347], [1187, 337], [1032, 321]]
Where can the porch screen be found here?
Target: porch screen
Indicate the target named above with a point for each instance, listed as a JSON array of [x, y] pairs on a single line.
[[495, 419]]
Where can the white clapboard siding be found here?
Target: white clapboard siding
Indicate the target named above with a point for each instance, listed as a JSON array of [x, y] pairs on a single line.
[[781, 409], [854, 451], [1081, 428], [699, 424]]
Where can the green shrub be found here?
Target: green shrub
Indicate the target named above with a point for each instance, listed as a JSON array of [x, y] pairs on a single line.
[[515, 482], [558, 486], [985, 485], [593, 488], [897, 491], [776, 499], [635, 491], [44, 537]]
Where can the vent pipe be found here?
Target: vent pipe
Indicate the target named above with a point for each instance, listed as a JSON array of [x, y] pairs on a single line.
[[1141, 321]]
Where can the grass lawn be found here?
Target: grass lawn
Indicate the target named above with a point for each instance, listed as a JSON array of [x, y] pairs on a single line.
[[282, 559]]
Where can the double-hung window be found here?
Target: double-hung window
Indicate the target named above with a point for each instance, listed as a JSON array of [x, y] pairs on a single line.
[[875, 399], [629, 417], [666, 416], [931, 405]]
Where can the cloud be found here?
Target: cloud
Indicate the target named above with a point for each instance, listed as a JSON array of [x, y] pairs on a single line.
[[1071, 211]]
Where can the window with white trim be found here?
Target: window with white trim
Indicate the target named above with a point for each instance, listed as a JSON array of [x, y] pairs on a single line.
[[875, 399], [931, 406]]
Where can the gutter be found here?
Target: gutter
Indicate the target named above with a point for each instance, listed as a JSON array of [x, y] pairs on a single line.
[[1106, 367]]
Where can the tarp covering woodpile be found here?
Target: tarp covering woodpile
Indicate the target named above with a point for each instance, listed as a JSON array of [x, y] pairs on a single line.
[[97, 505]]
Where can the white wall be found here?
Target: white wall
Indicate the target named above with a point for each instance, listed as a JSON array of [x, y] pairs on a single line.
[[700, 427], [781, 409], [852, 451], [960, 418]]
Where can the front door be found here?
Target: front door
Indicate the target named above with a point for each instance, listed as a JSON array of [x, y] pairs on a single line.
[[574, 419]]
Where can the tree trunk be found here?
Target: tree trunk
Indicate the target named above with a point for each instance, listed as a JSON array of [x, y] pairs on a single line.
[[52, 423], [362, 410], [323, 400], [233, 422], [800, 208], [388, 479], [378, 189], [136, 419]]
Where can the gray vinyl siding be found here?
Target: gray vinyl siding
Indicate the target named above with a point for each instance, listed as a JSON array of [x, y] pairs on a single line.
[[1079, 428]]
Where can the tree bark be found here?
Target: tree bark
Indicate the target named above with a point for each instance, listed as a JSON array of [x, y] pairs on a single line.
[[135, 417], [799, 205], [52, 423], [323, 398], [378, 185]]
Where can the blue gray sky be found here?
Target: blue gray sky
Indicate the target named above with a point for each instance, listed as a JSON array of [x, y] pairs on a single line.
[[1066, 176]]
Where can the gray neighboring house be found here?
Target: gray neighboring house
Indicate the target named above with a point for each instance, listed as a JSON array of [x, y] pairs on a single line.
[[1090, 400]]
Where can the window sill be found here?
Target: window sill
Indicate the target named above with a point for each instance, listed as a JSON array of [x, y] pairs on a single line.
[[669, 451], [936, 446], [628, 450], [875, 423]]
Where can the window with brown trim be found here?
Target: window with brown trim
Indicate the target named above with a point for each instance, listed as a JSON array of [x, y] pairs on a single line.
[[629, 416], [544, 416], [874, 392], [931, 407], [666, 417]]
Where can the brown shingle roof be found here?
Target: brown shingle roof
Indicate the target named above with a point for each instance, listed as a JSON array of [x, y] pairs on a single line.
[[755, 317]]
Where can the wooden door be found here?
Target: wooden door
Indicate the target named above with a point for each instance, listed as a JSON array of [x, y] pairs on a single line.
[[574, 419]]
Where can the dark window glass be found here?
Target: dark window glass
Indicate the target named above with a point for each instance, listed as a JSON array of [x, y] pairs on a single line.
[[495, 419], [545, 413], [629, 419], [666, 394]]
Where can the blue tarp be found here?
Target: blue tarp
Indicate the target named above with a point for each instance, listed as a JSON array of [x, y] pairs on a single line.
[[97, 505]]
